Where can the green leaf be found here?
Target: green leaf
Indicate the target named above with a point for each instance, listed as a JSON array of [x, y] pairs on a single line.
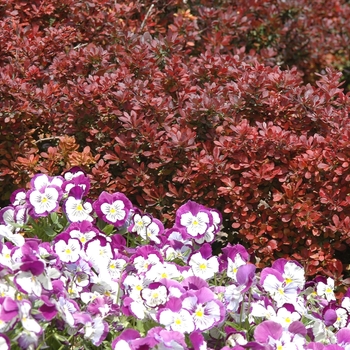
[[54, 218], [49, 231], [108, 229]]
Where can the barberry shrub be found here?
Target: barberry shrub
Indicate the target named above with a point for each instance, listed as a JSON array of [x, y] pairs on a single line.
[[236, 106]]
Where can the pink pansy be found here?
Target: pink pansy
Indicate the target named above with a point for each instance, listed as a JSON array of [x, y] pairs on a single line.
[[113, 208], [204, 308]]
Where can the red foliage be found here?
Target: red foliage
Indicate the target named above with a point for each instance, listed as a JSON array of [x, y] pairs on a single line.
[[168, 101]]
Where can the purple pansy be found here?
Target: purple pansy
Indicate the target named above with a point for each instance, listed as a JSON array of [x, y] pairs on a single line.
[[75, 208], [84, 231], [19, 197], [113, 208], [195, 218], [81, 181]]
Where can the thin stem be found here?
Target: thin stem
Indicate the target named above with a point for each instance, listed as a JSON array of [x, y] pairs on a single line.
[[147, 15]]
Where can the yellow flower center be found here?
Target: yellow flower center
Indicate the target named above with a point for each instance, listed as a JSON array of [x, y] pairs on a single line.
[[199, 313], [138, 287], [44, 200], [155, 295], [113, 211], [195, 222], [178, 321], [281, 291], [288, 280], [202, 266], [164, 275], [139, 223], [79, 207]]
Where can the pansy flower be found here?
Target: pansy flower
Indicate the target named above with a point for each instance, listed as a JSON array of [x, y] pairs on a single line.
[[113, 208], [213, 229], [174, 317], [15, 238], [154, 294], [81, 181], [145, 257], [18, 197], [75, 208], [28, 322], [205, 309], [44, 200], [203, 264], [82, 230], [195, 218], [124, 339], [96, 331], [343, 337], [4, 342], [291, 271], [281, 291], [139, 223], [285, 315], [40, 181], [154, 230], [68, 249], [160, 338], [271, 335], [325, 288], [73, 172], [162, 270], [99, 252], [9, 313]]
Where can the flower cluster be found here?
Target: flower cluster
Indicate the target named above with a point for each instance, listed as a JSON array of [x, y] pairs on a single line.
[[109, 274]]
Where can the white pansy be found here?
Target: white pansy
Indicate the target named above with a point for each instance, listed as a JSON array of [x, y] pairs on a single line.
[[44, 201], [195, 224], [76, 210], [114, 211], [204, 268], [232, 266], [68, 252]]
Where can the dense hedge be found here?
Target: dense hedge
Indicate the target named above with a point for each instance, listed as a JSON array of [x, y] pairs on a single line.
[[235, 105]]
